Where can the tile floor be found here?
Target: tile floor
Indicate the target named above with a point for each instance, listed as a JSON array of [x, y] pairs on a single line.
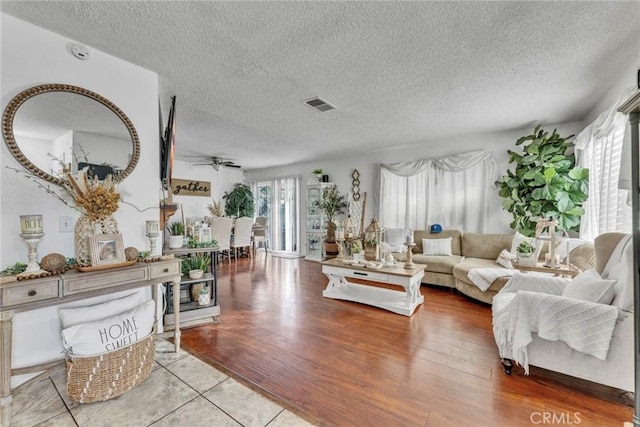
[[181, 391]]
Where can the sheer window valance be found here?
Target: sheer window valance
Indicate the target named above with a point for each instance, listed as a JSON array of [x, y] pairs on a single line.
[[450, 190], [599, 148]]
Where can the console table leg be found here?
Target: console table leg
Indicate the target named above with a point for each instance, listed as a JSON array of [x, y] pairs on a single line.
[[6, 326], [176, 313]]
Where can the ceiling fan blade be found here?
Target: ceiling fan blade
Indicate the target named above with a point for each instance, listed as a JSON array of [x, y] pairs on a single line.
[[233, 165]]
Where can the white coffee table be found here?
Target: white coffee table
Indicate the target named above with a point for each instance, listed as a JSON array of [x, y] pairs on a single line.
[[399, 302]]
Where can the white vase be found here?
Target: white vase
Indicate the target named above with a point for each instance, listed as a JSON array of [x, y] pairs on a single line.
[[175, 242]]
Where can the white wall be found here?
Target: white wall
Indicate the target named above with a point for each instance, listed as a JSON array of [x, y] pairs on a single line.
[[340, 169], [31, 56], [221, 181]]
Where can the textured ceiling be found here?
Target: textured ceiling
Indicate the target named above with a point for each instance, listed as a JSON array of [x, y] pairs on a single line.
[[399, 73]]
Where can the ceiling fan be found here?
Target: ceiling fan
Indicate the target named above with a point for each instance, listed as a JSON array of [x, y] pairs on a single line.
[[217, 162]]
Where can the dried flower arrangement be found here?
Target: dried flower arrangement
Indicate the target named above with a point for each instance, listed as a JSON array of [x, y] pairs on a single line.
[[92, 197], [215, 208]]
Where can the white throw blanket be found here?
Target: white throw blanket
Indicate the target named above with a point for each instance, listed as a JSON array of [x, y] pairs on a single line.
[[484, 277], [583, 325]]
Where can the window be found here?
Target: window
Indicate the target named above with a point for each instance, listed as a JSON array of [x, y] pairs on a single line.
[[452, 190], [599, 147]]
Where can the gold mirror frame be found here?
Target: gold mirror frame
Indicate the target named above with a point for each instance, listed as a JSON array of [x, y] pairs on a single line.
[[18, 100]]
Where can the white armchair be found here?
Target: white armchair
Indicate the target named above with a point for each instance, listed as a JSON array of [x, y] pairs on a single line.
[[581, 327]]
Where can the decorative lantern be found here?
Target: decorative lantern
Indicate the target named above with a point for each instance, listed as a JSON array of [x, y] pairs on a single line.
[[550, 225], [372, 241]]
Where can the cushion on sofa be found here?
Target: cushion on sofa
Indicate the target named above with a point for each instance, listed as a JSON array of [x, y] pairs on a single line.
[[589, 286], [439, 264], [487, 246], [456, 248], [440, 247]]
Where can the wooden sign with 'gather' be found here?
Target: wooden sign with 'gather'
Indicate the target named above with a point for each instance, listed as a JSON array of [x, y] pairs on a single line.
[[190, 187]]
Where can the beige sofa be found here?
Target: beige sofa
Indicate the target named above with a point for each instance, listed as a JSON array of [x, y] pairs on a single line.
[[614, 260], [475, 250]]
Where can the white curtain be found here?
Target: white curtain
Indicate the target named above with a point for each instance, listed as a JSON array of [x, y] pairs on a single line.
[[599, 148], [452, 191]]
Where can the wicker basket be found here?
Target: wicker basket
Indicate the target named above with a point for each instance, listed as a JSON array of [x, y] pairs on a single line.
[[108, 375]]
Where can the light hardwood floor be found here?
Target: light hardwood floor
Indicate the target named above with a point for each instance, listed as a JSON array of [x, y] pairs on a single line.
[[346, 364]]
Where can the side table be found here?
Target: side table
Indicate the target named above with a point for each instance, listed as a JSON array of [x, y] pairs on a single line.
[[561, 270]]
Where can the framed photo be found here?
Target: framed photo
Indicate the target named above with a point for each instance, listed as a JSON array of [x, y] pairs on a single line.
[[106, 249], [184, 296]]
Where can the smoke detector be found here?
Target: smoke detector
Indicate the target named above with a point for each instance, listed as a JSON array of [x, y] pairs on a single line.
[[80, 52]]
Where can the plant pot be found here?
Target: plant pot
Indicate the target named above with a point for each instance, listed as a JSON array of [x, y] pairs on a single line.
[[204, 298], [176, 242], [194, 291], [526, 259], [196, 274], [331, 248]]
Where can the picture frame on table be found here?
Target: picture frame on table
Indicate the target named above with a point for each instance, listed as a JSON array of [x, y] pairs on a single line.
[[106, 249]]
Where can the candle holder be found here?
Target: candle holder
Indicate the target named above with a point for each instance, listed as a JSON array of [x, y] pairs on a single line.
[[409, 262], [153, 232], [32, 240]]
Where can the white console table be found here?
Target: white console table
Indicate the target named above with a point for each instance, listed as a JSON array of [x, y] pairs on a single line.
[[399, 302], [32, 294]]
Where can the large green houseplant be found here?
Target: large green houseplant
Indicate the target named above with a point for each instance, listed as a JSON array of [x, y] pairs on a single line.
[[239, 202], [546, 183]]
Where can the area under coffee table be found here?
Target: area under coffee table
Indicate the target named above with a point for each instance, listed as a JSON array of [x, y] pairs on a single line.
[[399, 302]]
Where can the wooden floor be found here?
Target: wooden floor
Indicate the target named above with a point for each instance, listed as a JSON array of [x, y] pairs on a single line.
[[346, 364]]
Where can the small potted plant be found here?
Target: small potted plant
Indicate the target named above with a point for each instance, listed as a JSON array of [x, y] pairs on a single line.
[[525, 254], [176, 239], [317, 172], [195, 266]]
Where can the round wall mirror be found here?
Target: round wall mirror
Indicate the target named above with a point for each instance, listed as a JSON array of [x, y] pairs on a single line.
[[54, 128]]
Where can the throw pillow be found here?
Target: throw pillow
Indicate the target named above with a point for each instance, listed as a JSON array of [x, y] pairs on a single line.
[[436, 246], [505, 259], [112, 333], [75, 315], [622, 272], [589, 286]]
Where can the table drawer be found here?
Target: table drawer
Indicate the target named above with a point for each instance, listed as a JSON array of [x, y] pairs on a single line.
[[79, 283], [360, 274], [24, 293], [165, 269]]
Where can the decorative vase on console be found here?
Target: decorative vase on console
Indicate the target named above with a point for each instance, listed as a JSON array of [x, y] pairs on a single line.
[[86, 227], [97, 200]]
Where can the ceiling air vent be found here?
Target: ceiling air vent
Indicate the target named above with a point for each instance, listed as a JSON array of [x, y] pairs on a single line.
[[319, 105]]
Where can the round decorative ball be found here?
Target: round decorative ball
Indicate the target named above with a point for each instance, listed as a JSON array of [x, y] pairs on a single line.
[[131, 253], [53, 262]]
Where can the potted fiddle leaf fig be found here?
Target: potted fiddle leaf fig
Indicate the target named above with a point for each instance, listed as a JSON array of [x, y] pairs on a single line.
[[546, 183], [333, 203]]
